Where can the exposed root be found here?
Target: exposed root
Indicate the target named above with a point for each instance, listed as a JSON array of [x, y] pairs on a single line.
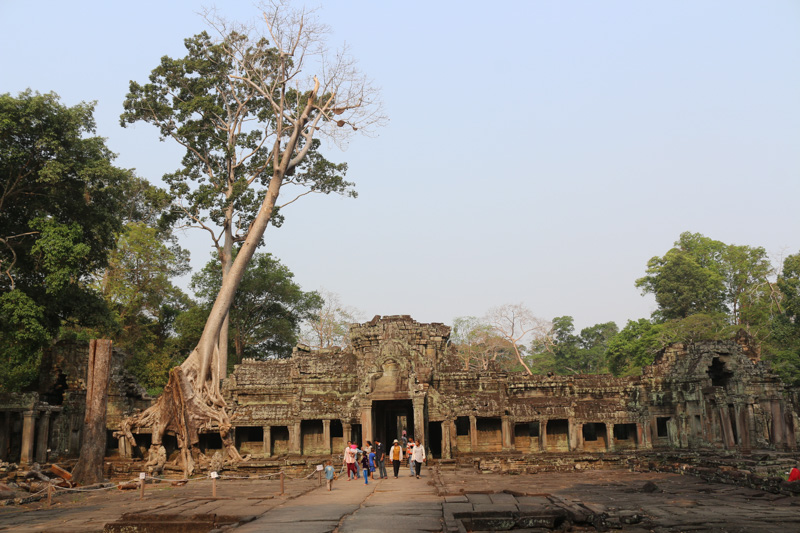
[[185, 409]]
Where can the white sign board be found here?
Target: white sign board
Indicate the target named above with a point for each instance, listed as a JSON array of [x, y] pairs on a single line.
[[214, 475], [142, 475], [320, 467]]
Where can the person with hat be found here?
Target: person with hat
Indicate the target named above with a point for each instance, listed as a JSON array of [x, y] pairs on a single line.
[[396, 455]]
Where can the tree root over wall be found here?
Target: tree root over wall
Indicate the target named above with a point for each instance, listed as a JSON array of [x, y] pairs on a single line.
[[184, 409]]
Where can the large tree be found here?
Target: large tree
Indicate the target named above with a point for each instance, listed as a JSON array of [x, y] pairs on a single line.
[[703, 275], [248, 109], [517, 325], [583, 353], [478, 345], [59, 218], [330, 326]]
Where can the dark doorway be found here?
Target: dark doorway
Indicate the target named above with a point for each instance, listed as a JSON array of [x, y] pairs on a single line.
[[435, 439], [391, 417]]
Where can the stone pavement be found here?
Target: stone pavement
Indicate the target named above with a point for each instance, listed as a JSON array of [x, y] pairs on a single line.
[[89, 512], [405, 504], [436, 502], [619, 499]]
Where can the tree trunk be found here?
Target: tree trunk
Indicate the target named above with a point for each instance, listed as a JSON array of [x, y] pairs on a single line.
[[192, 400], [89, 469]]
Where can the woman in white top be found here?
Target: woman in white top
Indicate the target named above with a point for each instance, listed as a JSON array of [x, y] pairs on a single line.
[[418, 454]]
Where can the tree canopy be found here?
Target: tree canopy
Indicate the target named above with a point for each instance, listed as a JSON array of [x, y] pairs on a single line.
[[59, 218]]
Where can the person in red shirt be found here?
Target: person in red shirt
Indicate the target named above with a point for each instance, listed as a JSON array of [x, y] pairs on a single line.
[[794, 475]]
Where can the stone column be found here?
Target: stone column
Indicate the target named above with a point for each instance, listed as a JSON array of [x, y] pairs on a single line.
[[124, 448], [610, 437], [28, 431], [507, 433], [44, 435], [777, 423], [366, 424], [573, 436], [643, 434], [543, 435], [419, 420], [5, 435], [347, 431], [326, 435], [743, 426], [297, 438], [727, 429], [473, 434], [267, 430], [446, 452], [788, 425]]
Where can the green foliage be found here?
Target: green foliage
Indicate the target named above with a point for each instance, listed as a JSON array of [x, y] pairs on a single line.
[[22, 337], [782, 347], [695, 328], [702, 275], [633, 347], [137, 285], [583, 353], [267, 310], [59, 217]]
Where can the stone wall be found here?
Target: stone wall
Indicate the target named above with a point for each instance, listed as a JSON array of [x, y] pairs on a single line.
[[47, 423]]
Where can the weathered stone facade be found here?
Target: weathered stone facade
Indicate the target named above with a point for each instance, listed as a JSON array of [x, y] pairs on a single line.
[[400, 374], [47, 423]]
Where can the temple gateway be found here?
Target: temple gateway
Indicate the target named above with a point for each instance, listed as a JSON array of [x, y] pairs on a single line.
[[399, 374]]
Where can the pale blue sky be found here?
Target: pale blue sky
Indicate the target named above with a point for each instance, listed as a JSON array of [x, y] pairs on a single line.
[[538, 152]]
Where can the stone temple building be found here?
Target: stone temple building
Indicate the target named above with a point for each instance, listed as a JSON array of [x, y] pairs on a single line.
[[399, 374]]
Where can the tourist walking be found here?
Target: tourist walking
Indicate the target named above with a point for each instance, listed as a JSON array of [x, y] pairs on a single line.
[[350, 461], [419, 456], [396, 455], [357, 451], [344, 461], [371, 456], [365, 466], [380, 459], [329, 474], [410, 454]]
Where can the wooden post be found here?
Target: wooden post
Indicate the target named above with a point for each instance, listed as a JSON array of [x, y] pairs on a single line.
[[49, 494], [214, 487], [89, 469], [282, 476], [141, 485]]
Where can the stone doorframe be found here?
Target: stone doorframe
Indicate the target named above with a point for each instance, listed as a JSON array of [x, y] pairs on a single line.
[[417, 403]]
